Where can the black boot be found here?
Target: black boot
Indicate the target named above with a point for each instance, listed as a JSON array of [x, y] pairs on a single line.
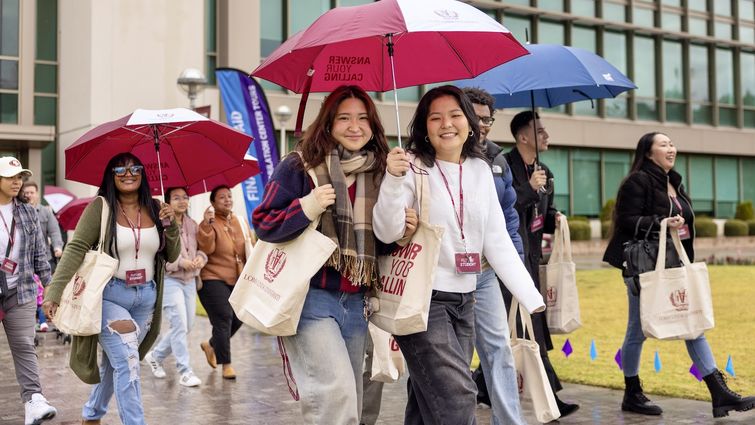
[[725, 399], [482, 390], [564, 408], [635, 400]]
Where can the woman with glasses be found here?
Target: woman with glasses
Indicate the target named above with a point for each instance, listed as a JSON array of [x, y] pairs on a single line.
[[180, 299], [130, 320], [444, 139]]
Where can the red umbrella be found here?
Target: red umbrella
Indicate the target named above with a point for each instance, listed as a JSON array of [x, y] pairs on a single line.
[[431, 41], [57, 197], [231, 177], [69, 216], [177, 146]]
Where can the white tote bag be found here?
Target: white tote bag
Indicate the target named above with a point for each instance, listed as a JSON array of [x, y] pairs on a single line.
[[531, 377], [269, 294], [407, 274], [387, 361], [560, 282], [80, 310], [675, 303]]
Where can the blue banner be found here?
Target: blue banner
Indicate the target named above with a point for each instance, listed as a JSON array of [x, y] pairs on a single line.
[[247, 110]]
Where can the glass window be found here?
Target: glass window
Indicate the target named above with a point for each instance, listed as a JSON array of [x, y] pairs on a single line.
[[583, 7], [519, 26], [586, 177], [9, 74], [698, 26], [47, 30], [556, 5], [675, 3], [727, 186], [210, 40], [353, 2], [747, 10], [671, 21], [557, 160], [643, 16], [271, 26], [748, 175], [551, 32], [644, 77], [701, 5], [747, 34], [45, 110], [749, 118], [725, 76], [8, 108], [408, 94], [302, 13], [701, 183], [615, 168], [614, 12], [699, 84], [680, 166], [615, 52], [519, 2], [722, 30], [584, 38], [722, 7], [673, 73], [45, 78], [9, 27], [747, 64]]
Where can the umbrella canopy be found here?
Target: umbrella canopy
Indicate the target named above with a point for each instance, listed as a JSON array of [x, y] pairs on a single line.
[[231, 177], [69, 216], [177, 146], [57, 197], [431, 41], [552, 75]]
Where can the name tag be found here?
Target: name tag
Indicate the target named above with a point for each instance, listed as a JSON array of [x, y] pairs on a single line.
[[684, 232], [136, 277], [9, 266], [468, 263], [537, 223]]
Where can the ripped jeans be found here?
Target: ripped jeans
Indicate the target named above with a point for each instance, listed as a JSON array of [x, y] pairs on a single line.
[[119, 370]]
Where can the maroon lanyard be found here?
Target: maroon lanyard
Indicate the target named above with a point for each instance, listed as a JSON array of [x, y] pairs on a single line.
[[135, 229], [678, 204], [459, 218], [10, 231]]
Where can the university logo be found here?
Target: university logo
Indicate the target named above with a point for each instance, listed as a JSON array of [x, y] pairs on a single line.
[[14, 163], [274, 263], [679, 300], [520, 382], [165, 115], [551, 296], [446, 14], [608, 76], [79, 284], [394, 344]]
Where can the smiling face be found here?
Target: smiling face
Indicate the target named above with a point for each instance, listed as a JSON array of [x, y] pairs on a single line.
[[663, 152], [179, 200], [351, 125], [223, 202], [483, 113], [447, 128], [128, 182]]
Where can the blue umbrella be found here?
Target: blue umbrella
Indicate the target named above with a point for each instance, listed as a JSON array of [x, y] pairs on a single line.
[[551, 75]]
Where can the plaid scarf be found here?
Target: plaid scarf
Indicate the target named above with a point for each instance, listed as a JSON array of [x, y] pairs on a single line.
[[350, 227]]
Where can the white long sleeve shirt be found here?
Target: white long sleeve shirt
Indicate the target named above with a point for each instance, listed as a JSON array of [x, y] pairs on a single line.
[[480, 208]]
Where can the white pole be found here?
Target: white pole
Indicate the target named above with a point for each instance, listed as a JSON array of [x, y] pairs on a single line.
[[395, 93], [283, 143]]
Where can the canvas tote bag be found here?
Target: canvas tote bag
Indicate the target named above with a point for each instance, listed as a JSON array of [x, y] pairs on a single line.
[[80, 310], [269, 294], [560, 281], [531, 377], [675, 303], [387, 361], [407, 274]]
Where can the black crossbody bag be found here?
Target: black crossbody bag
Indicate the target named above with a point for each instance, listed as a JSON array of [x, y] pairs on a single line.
[[640, 256]]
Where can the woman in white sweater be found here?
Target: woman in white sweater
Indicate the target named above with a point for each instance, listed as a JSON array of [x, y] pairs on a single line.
[[443, 137]]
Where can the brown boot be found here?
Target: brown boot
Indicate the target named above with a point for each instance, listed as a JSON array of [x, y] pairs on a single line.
[[228, 372], [209, 353]]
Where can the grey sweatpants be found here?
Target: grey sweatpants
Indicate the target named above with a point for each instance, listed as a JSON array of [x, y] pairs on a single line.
[[19, 323]]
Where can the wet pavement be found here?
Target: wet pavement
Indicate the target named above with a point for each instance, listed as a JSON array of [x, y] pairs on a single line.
[[260, 395]]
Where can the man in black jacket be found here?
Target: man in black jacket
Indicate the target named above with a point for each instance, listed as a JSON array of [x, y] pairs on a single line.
[[534, 192]]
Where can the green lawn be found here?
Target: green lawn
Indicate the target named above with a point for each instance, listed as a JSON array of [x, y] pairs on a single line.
[[603, 304]]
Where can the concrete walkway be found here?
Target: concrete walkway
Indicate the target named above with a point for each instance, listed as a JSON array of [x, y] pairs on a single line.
[[260, 396]]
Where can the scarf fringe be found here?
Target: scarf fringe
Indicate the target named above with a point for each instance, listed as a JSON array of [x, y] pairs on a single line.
[[360, 272]]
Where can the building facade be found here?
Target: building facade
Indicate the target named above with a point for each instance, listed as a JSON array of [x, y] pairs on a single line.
[[68, 66]]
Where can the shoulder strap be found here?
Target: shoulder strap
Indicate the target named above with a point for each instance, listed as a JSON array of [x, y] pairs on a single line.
[[104, 216]]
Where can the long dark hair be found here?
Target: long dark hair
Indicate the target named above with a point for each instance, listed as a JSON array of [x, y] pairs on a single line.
[[110, 193], [641, 152], [418, 127], [317, 141]]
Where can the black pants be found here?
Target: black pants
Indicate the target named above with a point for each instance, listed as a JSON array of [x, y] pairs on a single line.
[[214, 298]]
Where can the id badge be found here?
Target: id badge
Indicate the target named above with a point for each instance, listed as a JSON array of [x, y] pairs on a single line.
[[537, 223], [468, 263], [9, 266], [684, 232], [136, 277]]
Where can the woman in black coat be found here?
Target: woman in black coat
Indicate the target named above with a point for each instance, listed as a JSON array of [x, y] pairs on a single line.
[[651, 192]]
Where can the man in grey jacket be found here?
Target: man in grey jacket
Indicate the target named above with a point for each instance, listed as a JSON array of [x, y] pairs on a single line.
[[47, 221]]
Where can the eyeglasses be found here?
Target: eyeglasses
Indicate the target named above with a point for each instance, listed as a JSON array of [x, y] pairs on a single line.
[[135, 170], [486, 121]]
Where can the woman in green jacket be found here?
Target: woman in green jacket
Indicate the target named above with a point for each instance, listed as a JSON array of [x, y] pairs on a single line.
[[131, 300]]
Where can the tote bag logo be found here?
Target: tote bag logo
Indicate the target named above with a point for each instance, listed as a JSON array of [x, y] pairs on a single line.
[[79, 284], [679, 300], [520, 382], [551, 296], [447, 14], [274, 263], [394, 344]]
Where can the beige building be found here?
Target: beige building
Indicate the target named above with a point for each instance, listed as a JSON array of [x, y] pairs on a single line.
[[67, 66]]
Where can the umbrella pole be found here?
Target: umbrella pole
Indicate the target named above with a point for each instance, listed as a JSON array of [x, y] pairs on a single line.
[[156, 135], [534, 126], [395, 93]]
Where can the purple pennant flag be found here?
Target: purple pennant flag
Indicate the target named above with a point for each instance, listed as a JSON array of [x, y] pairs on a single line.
[[567, 349], [696, 373], [617, 359]]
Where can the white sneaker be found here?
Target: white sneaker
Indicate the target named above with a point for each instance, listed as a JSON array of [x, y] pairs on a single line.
[[157, 368], [37, 410], [188, 379]]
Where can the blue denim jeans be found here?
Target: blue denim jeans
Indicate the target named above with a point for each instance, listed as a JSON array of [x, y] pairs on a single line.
[[179, 307], [119, 371], [327, 355], [698, 349], [494, 348], [440, 386]]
